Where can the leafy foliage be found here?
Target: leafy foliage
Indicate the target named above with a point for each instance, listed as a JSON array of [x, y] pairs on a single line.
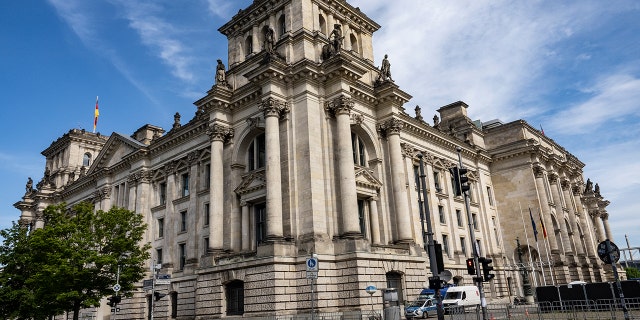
[[72, 262], [632, 273]]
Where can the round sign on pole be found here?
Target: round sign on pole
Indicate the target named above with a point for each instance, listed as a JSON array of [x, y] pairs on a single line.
[[609, 254], [116, 287], [371, 289], [312, 264]]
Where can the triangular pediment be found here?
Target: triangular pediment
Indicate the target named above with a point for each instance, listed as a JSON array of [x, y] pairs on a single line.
[[365, 179], [252, 182], [114, 150]]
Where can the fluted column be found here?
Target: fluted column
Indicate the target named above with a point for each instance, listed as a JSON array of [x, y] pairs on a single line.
[[544, 203], [607, 229], [584, 223], [272, 110], [374, 220], [562, 225], [246, 229], [597, 223], [392, 129], [218, 134], [341, 107], [566, 190]]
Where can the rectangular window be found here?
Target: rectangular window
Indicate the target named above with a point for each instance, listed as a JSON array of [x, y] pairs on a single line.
[[174, 305], [361, 211], [160, 227], [183, 220], [261, 219], [182, 255], [490, 195], [185, 184], [463, 246], [436, 181], [163, 193], [459, 218], [441, 214], [445, 244], [158, 256], [495, 230], [474, 218], [206, 214], [206, 245], [478, 247]]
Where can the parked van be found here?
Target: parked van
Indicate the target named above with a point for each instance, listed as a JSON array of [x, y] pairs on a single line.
[[424, 305], [461, 296]]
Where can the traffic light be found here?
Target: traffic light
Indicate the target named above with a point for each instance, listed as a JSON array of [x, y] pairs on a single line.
[[159, 295], [116, 299], [471, 267], [460, 180], [110, 302], [486, 269], [439, 259]]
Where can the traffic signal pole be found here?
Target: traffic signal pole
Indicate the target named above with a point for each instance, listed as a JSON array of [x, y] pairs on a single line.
[[429, 245], [472, 236]]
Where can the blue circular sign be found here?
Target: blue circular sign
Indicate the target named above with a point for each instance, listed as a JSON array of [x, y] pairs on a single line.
[[371, 289]]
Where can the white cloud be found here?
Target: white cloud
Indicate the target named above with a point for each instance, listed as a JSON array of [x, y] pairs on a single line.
[[74, 14], [221, 8]]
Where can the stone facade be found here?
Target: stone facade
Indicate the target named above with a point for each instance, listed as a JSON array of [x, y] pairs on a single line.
[[299, 150]]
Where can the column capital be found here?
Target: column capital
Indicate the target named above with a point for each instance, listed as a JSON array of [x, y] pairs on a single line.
[[577, 190], [219, 132], [538, 171], [553, 177], [244, 203], [407, 150], [374, 198], [390, 127], [340, 105], [142, 176], [273, 107], [565, 184]]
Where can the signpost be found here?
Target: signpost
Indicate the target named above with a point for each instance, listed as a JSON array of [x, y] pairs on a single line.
[[610, 254], [312, 273]]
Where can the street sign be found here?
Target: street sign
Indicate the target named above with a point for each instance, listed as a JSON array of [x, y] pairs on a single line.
[[163, 281], [147, 284], [607, 255], [312, 264], [312, 274], [116, 287], [371, 289]]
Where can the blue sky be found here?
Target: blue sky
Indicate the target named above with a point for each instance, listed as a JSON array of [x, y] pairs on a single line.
[[570, 66]]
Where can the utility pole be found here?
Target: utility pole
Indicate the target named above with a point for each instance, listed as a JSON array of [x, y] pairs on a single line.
[[472, 236], [429, 245]]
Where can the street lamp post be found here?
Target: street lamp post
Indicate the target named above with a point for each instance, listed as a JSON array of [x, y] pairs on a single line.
[[428, 243]]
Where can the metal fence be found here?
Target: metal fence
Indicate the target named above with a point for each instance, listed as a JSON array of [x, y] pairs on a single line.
[[564, 310], [576, 310]]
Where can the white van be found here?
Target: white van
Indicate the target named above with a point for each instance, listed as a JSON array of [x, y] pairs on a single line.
[[461, 296]]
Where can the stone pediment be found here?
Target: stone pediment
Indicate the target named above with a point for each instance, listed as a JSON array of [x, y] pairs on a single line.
[[252, 182], [114, 150], [366, 180]]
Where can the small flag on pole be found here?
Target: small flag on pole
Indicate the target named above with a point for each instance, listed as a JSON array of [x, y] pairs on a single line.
[[533, 224], [95, 116], [544, 230], [542, 130]]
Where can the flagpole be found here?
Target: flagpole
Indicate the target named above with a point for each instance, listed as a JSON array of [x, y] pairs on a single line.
[[533, 269], [96, 113], [535, 235]]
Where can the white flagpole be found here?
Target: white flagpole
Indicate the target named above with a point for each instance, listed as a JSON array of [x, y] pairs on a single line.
[[526, 234], [544, 278], [548, 248]]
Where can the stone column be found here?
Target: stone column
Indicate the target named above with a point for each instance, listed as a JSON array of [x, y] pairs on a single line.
[[272, 109], [374, 220], [392, 129], [544, 203], [597, 224], [562, 225], [218, 134], [607, 229], [255, 43], [566, 190], [584, 223], [341, 107], [246, 228]]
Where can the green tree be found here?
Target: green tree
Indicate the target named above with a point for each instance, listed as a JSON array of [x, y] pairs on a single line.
[[632, 273], [74, 259]]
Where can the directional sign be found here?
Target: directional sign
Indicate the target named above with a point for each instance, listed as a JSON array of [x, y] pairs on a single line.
[[312, 264], [116, 287], [606, 255], [147, 284]]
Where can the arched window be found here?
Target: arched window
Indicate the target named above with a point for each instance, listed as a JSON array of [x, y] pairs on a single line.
[[249, 45], [394, 280], [256, 155], [86, 160], [359, 157], [235, 298], [282, 26], [354, 43], [323, 24]]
